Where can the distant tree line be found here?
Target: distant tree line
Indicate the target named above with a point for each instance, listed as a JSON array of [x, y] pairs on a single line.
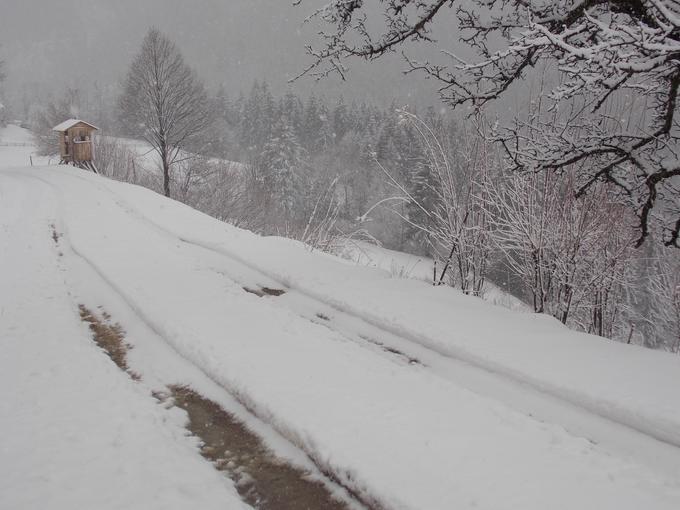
[[297, 147]]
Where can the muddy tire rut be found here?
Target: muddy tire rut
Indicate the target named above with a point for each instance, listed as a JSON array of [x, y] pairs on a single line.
[[262, 479]]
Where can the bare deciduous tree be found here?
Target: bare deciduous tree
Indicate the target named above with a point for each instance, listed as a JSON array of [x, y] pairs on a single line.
[[660, 322], [164, 102], [573, 256], [602, 53], [454, 219]]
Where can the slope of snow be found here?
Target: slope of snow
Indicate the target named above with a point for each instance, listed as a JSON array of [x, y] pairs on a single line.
[[627, 383], [392, 431], [75, 431]]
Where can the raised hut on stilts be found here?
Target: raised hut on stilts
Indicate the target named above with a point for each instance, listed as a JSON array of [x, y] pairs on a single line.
[[75, 143]]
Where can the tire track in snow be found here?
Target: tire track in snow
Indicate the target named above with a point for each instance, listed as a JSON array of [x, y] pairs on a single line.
[[355, 496], [261, 478]]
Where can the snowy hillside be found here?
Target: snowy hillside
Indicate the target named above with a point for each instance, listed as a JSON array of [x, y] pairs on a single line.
[[148, 162], [392, 393], [405, 265]]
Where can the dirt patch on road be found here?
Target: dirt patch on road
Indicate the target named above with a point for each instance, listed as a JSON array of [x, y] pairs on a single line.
[[257, 292], [410, 359], [273, 292], [109, 336], [263, 480], [265, 291]]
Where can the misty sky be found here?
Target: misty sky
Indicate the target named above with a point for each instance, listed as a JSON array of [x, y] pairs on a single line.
[[57, 43]]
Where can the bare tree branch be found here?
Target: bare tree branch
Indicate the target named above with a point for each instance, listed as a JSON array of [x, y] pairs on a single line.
[[604, 56]]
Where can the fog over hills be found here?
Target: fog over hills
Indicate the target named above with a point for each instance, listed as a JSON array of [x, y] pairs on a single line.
[[230, 42]]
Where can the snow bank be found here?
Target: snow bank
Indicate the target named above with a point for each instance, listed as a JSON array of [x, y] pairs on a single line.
[[393, 433]]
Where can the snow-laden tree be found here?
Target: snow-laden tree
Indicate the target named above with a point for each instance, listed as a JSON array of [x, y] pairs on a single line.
[[3, 108], [610, 103], [573, 256], [341, 120], [657, 298], [164, 102], [291, 108], [446, 202], [278, 170], [318, 129], [255, 128], [665, 286]]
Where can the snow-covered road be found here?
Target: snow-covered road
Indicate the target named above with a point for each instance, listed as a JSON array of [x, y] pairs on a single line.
[[410, 396], [75, 432]]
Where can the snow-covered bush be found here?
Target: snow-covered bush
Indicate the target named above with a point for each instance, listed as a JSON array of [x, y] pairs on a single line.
[[574, 256]]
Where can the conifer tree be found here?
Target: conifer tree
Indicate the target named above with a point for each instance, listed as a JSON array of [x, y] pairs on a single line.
[[279, 167], [341, 120]]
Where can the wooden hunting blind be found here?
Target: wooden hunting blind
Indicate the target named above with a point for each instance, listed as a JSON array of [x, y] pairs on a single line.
[[75, 143]]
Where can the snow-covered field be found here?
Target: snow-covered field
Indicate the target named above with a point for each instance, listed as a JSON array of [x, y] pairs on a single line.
[[148, 161], [17, 149], [411, 396]]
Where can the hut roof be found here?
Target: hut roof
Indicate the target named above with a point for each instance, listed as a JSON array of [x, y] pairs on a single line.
[[68, 124]]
